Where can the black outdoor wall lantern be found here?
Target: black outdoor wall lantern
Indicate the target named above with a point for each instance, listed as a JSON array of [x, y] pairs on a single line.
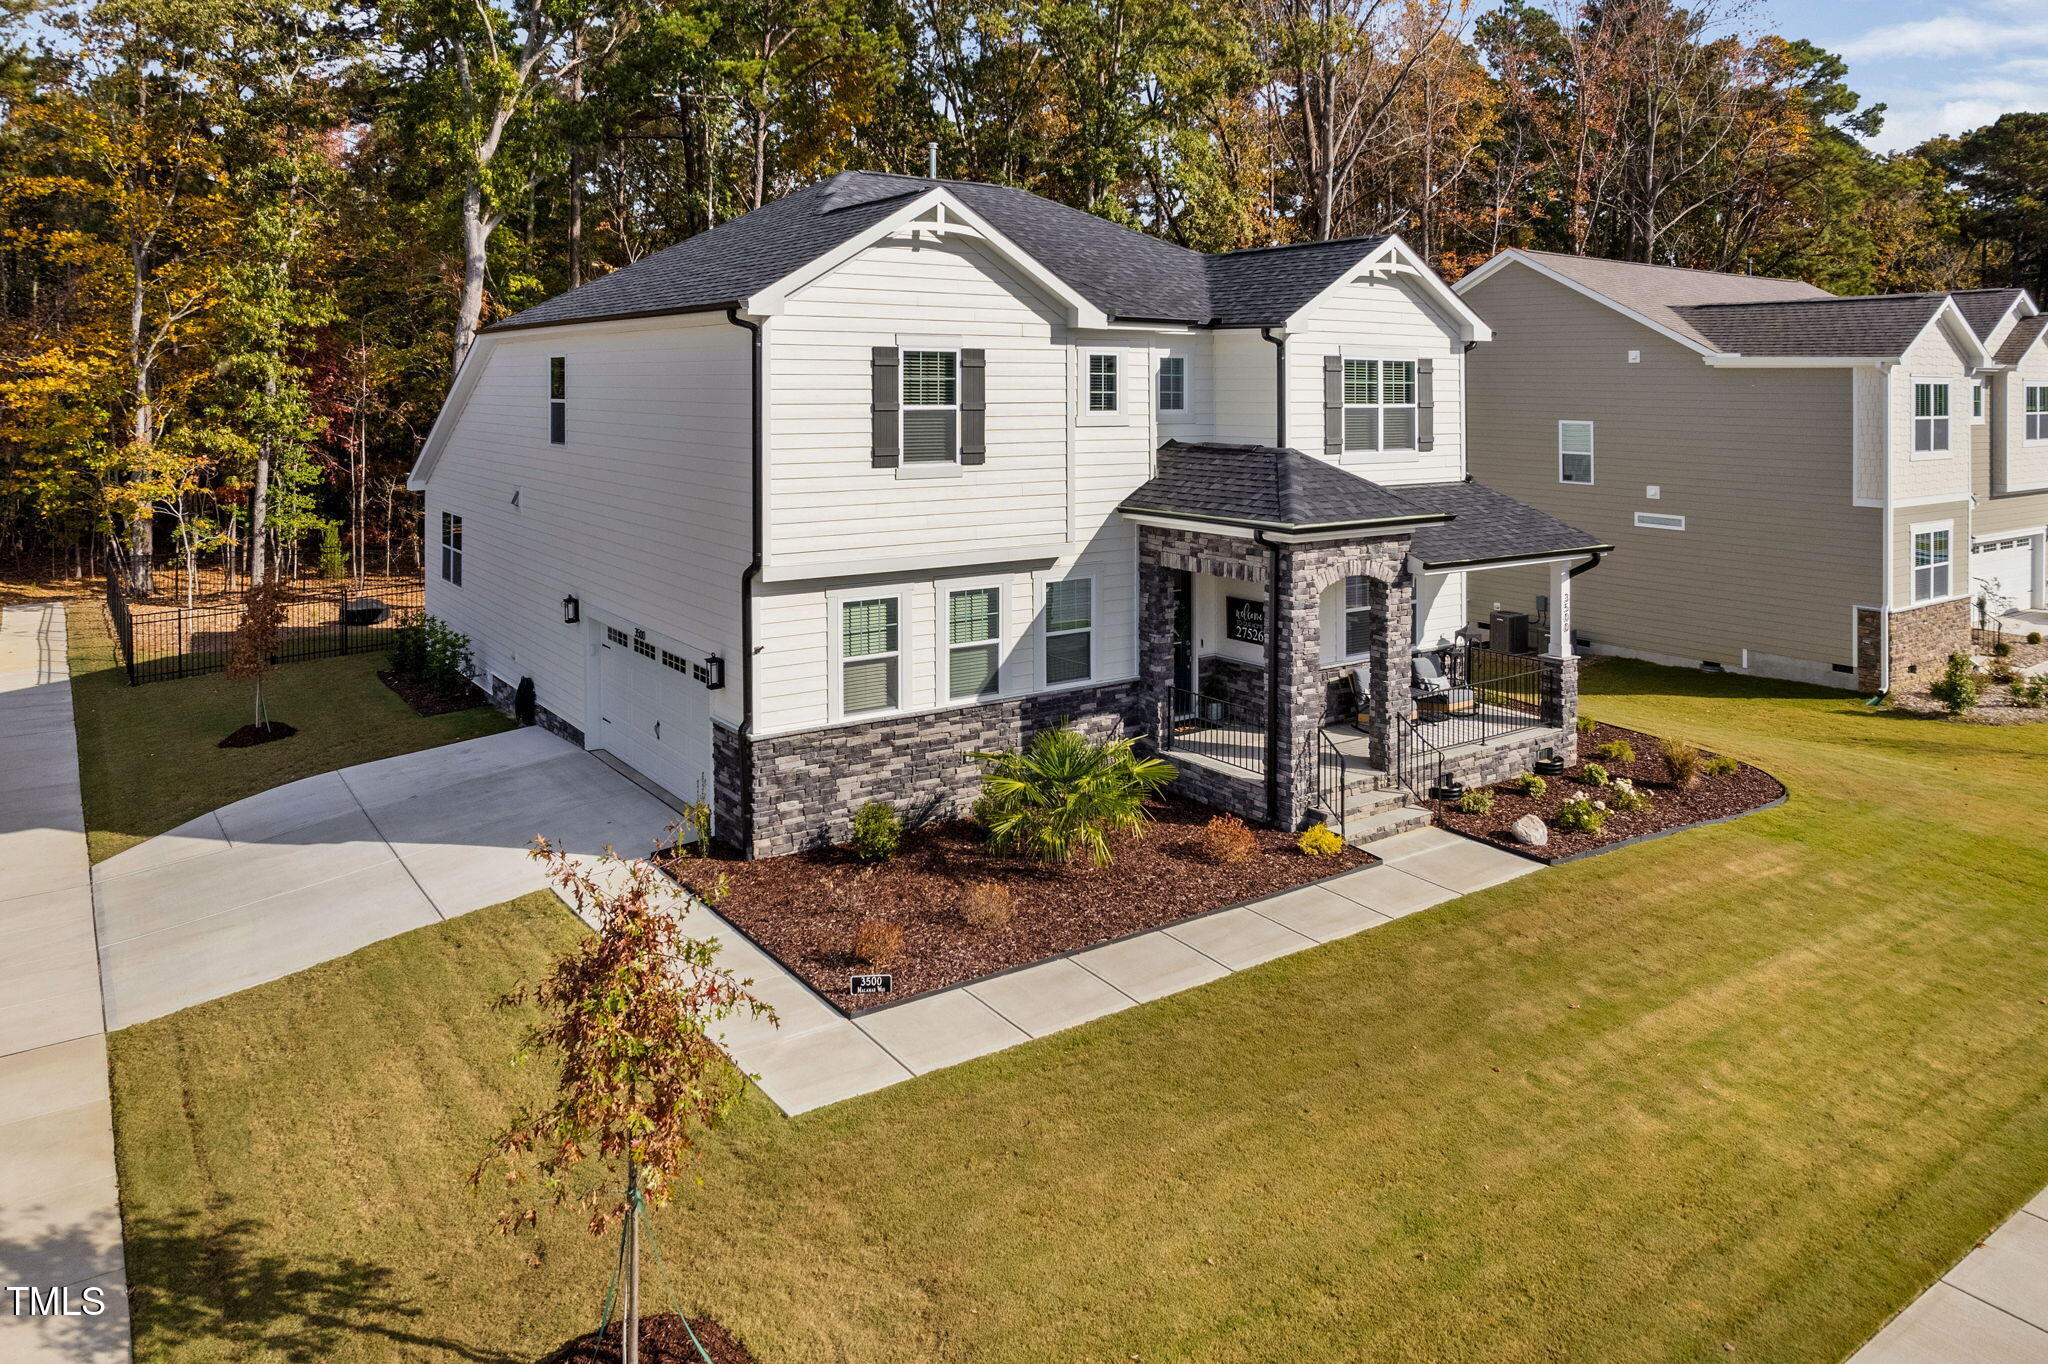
[[714, 673], [572, 610]]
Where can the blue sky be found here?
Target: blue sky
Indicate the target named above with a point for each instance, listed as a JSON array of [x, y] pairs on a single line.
[[1942, 66]]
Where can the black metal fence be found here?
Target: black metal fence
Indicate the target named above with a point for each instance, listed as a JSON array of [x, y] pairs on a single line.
[[1485, 694], [1225, 731], [161, 643]]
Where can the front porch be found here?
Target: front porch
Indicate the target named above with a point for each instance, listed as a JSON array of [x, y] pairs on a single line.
[[1304, 662]]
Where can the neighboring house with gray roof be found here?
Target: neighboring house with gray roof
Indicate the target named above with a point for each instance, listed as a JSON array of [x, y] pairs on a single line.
[[1801, 485], [800, 512]]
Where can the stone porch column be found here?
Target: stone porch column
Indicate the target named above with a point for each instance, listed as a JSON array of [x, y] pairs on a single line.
[[1393, 662]]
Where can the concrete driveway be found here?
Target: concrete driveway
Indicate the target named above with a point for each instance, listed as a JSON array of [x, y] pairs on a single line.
[[311, 871]]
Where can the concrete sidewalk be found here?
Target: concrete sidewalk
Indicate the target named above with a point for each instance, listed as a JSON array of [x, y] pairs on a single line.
[[60, 1223], [1992, 1308], [818, 1056], [313, 870]]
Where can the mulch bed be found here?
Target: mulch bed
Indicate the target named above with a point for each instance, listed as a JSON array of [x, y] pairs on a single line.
[[1672, 807], [248, 736], [803, 908], [429, 701], [1995, 702], [662, 1341]]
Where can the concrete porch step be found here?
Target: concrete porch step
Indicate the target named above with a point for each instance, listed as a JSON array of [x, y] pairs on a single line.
[[1399, 819]]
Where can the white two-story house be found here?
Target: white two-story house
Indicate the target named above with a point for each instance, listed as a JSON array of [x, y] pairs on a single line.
[[804, 510]]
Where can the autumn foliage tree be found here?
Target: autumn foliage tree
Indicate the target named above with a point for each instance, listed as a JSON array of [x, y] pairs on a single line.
[[629, 1012], [253, 652]]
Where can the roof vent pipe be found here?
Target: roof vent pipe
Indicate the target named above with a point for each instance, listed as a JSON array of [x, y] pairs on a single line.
[[931, 154]]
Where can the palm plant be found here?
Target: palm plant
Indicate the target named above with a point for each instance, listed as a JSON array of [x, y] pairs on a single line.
[[1064, 794]]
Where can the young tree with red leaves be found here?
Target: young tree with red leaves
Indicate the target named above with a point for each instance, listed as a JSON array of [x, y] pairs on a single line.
[[629, 1010], [252, 654]]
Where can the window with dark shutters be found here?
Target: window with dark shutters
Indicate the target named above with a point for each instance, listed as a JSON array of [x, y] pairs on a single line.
[[885, 406]]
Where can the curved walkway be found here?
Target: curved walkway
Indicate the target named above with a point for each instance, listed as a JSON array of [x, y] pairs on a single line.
[[60, 1223]]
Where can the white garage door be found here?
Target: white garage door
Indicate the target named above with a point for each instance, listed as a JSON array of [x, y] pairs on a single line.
[[2003, 575], [652, 715]]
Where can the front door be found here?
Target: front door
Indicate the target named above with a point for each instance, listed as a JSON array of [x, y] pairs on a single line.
[[1181, 585]]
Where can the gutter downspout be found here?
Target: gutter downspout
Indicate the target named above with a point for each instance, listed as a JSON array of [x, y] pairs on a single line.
[[1888, 519], [1279, 385], [747, 581]]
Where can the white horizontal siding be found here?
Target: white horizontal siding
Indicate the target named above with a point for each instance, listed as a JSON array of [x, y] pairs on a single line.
[[1933, 356], [1384, 319], [643, 513]]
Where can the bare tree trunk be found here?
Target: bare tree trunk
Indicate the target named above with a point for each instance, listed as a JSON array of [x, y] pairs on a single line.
[[259, 503], [576, 165], [142, 523], [630, 1333], [476, 236]]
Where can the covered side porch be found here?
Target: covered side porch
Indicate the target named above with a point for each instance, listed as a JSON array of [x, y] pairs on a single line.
[[1305, 647]]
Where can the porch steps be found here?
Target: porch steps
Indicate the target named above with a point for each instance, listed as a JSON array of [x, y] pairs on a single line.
[[1397, 819]]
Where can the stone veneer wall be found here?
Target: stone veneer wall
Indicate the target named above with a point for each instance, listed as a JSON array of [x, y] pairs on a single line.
[[1869, 649], [1509, 758], [1927, 635], [504, 694], [807, 785], [1244, 684], [727, 808], [1240, 793]]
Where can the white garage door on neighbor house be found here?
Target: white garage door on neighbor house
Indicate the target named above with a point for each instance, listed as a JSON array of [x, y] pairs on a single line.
[[2005, 575], [652, 714]]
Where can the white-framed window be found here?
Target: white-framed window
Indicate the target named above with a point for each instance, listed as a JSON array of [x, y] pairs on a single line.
[[558, 406], [1379, 404], [1069, 631], [1103, 381], [974, 642], [1357, 617], [1173, 385], [1976, 401], [931, 406], [870, 645], [451, 548], [2037, 411], [1575, 452], [1932, 562], [1930, 416]]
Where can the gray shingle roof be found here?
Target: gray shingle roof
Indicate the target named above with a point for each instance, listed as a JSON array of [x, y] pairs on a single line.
[[1124, 272], [2022, 336], [1982, 308], [1874, 325], [1266, 487], [1488, 527], [1662, 293]]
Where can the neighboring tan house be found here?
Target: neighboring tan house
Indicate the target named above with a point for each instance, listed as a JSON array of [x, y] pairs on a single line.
[[803, 511], [1800, 485]]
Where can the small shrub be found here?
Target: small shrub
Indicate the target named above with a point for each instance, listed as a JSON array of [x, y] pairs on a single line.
[[1476, 802], [1529, 784], [1586, 723], [986, 905], [332, 564], [1320, 840], [1719, 765], [1683, 759], [877, 942], [433, 653], [1616, 751], [877, 831], [2003, 648], [1226, 839], [2033, 636], [1627, 797], [2002, 672], [2031, 692], [1956, 688], [1065, 795], [1581, 815], [1593, 774]]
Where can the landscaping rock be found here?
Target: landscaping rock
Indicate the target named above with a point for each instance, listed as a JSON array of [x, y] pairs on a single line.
[[1530, 830]]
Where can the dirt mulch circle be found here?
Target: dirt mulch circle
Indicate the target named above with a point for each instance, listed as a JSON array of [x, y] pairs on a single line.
[[248, 736], [1672, 807], [428, 701], [803, 908], [662, 1341]]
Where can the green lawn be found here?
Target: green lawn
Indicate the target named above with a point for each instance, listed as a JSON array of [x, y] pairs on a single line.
[[149, 756], [1736, 1093]]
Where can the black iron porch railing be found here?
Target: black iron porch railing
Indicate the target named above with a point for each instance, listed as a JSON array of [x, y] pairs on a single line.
[[1222, 731], [1415, 759], [1486, 695]]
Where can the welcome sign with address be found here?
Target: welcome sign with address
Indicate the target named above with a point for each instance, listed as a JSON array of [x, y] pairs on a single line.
[[874, 983], [1245, 619]]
